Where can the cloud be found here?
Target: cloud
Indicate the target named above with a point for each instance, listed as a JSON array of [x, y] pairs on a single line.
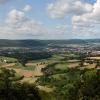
[[15, 16], [60, 8], [27, 8], [85, 21], [85, 17], [17, 24], [93, 16], [88, 23]]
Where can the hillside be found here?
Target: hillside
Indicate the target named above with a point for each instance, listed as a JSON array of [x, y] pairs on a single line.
[[20, 43], [36, 43]]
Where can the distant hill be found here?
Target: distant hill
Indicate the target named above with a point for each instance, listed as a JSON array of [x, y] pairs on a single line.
[[20, 43], [69, 41], [93, 40], [36, 43]]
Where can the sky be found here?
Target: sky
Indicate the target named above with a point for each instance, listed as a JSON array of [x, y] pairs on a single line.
[[49, 19]]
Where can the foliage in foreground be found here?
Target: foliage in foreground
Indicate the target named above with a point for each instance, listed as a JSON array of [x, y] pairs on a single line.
[[75, 84], [85, 88], [13, 90]]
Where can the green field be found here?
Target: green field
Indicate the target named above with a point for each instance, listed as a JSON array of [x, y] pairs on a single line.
[[62, 66], [24, 67], [8, 59]]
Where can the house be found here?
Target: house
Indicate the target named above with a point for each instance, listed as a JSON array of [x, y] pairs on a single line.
[[5, 60], [94, 53], [97, 67]]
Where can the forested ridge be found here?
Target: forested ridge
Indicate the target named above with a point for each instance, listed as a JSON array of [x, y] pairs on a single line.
[[32, 43]]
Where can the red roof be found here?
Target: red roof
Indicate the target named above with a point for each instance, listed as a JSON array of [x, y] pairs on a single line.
[[98, 67]]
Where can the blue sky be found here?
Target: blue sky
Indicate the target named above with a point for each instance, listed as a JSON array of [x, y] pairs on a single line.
[[49, 19]]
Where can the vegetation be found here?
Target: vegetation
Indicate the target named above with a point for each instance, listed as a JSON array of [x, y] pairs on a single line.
[[19, 66], [20, 43], [11, 89], [75, 84], [60, 73], [23, 58], [41, 43]]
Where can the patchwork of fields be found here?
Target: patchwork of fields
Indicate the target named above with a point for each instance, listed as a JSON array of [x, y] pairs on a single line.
[[33, 69]]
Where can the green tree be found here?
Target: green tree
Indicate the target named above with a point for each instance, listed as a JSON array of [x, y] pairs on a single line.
[[82, 58], [11, 89]]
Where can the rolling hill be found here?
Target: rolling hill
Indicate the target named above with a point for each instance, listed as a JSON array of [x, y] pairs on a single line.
[[40, 43]]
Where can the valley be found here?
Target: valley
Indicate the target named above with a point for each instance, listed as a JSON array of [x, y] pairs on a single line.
[[54, 70]]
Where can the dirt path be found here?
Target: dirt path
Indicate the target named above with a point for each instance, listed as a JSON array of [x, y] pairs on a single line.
[[8, 65], [30, 76]]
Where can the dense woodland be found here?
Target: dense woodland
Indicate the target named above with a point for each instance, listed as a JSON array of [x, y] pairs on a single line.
[[37, 43], [23, 58]]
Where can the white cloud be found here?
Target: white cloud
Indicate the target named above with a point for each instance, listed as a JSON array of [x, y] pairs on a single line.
[[85, 21], [84, 17], [20, 22], [60, 8], [27, 8], [93, 16], [17, 24], [88, 23], [15, 16]]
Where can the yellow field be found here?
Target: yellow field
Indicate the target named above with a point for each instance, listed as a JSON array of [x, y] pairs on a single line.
[[94, 58]]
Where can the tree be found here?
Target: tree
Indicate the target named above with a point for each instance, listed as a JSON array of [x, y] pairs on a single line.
[[89, 88], [23, 61], [13, 90], [82, 58]]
